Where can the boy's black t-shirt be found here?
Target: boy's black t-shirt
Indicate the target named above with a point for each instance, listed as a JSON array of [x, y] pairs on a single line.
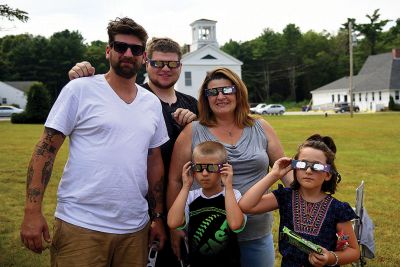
[[211, 241]]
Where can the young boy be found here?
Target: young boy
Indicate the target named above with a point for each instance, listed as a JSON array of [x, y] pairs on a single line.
[[211, 213]]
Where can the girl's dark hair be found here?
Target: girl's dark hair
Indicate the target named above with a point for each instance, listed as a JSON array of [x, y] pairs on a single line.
[[326, 145]]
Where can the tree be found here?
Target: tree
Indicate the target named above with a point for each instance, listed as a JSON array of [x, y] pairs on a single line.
[[319, 63], [392, 37], [37, 106], [64, 50], [11, 14], [232, 48], [95, 54], [291, 41], [21, 57], [372, 30]]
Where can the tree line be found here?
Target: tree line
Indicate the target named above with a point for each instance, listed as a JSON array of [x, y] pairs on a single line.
[[288, 65], [277, 66]]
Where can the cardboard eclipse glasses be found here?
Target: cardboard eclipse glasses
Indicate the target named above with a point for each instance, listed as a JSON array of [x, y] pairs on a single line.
[[304, 165], [209, 167], [226, 90]]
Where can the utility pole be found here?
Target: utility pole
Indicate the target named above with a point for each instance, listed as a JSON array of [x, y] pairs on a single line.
[[351, 68]]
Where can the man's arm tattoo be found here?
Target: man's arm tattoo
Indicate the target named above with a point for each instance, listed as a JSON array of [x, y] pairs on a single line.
[[34, 194], [44, 151], [155, 194], [45, 145], [29, 175], [46, 172], [50, 133]]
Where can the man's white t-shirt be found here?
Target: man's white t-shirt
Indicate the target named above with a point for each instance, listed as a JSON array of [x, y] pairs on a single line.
[[104, 183]]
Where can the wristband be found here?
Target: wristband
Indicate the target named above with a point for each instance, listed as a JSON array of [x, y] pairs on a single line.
[[336, 257], [157, 215]]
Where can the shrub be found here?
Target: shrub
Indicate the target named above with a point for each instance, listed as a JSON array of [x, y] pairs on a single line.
[[392, 105], [37, 106]]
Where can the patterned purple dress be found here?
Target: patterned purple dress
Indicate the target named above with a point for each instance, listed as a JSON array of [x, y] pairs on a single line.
[[315, 222]]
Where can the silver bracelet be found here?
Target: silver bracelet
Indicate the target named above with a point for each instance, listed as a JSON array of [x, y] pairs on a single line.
[[336, 257]]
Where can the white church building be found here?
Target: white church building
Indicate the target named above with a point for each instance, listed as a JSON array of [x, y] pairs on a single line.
[[204, 56]]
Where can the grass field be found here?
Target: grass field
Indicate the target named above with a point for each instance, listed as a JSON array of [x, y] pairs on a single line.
[[368, 149]]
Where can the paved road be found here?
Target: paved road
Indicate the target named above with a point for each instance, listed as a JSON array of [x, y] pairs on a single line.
[[321, 113]]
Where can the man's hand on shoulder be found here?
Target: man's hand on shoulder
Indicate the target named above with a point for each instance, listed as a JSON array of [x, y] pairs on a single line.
[[184, 116], [81, 69]]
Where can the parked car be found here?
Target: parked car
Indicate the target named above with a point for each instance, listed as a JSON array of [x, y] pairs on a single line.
[[268, 109], [7, 111], [345, 107]]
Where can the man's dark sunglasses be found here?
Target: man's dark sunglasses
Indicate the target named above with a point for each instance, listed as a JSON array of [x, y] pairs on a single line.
[[227, 90], [121, 47], [304, 165], [209, 167], [161, 63]]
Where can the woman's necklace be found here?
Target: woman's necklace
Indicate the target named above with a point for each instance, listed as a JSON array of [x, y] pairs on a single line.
[[230, 131], [225, 134]]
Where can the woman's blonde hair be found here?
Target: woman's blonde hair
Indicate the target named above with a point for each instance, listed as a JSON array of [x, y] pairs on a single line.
[[242, 110]]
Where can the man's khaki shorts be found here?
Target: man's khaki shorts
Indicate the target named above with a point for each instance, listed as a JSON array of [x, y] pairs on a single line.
[[76, 246]]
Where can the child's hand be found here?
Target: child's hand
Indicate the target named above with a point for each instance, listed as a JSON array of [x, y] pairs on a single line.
[[227, 174], [187, 177], [281, 167], [319, 260]]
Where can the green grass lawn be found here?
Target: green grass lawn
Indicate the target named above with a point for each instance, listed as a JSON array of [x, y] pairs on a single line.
[[368, 149]]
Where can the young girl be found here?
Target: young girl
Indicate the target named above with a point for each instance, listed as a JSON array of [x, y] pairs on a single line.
[[308, 207]]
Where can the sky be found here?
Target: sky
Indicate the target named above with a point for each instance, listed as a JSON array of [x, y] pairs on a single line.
[[236, 19]]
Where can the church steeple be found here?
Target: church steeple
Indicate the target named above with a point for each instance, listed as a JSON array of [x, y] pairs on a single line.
[[203, 33]]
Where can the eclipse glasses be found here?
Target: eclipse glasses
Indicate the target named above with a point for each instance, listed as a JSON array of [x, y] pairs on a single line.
[[209, 167], [159, 64], [304, 165], [226, 90]]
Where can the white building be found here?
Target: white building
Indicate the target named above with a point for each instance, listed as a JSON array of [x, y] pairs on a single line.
[[14, 93], [378, 79], [205, 55]]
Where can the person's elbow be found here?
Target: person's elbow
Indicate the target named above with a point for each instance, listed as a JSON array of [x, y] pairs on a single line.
[[235, 226], [237, 223], [173, 222], [244, 207]]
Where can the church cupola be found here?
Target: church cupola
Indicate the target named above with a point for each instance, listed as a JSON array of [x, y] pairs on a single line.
[[203, 33]]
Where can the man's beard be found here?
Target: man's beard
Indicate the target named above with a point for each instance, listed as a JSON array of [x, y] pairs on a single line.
[[162, 86], [126, 72]]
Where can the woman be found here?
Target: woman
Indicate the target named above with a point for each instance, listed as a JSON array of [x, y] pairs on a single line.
[[251, 144]]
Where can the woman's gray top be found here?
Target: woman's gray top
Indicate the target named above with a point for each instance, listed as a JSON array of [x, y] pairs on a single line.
[[250, 161]]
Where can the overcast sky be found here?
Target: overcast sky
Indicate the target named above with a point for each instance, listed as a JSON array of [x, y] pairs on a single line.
[[236, 20]]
